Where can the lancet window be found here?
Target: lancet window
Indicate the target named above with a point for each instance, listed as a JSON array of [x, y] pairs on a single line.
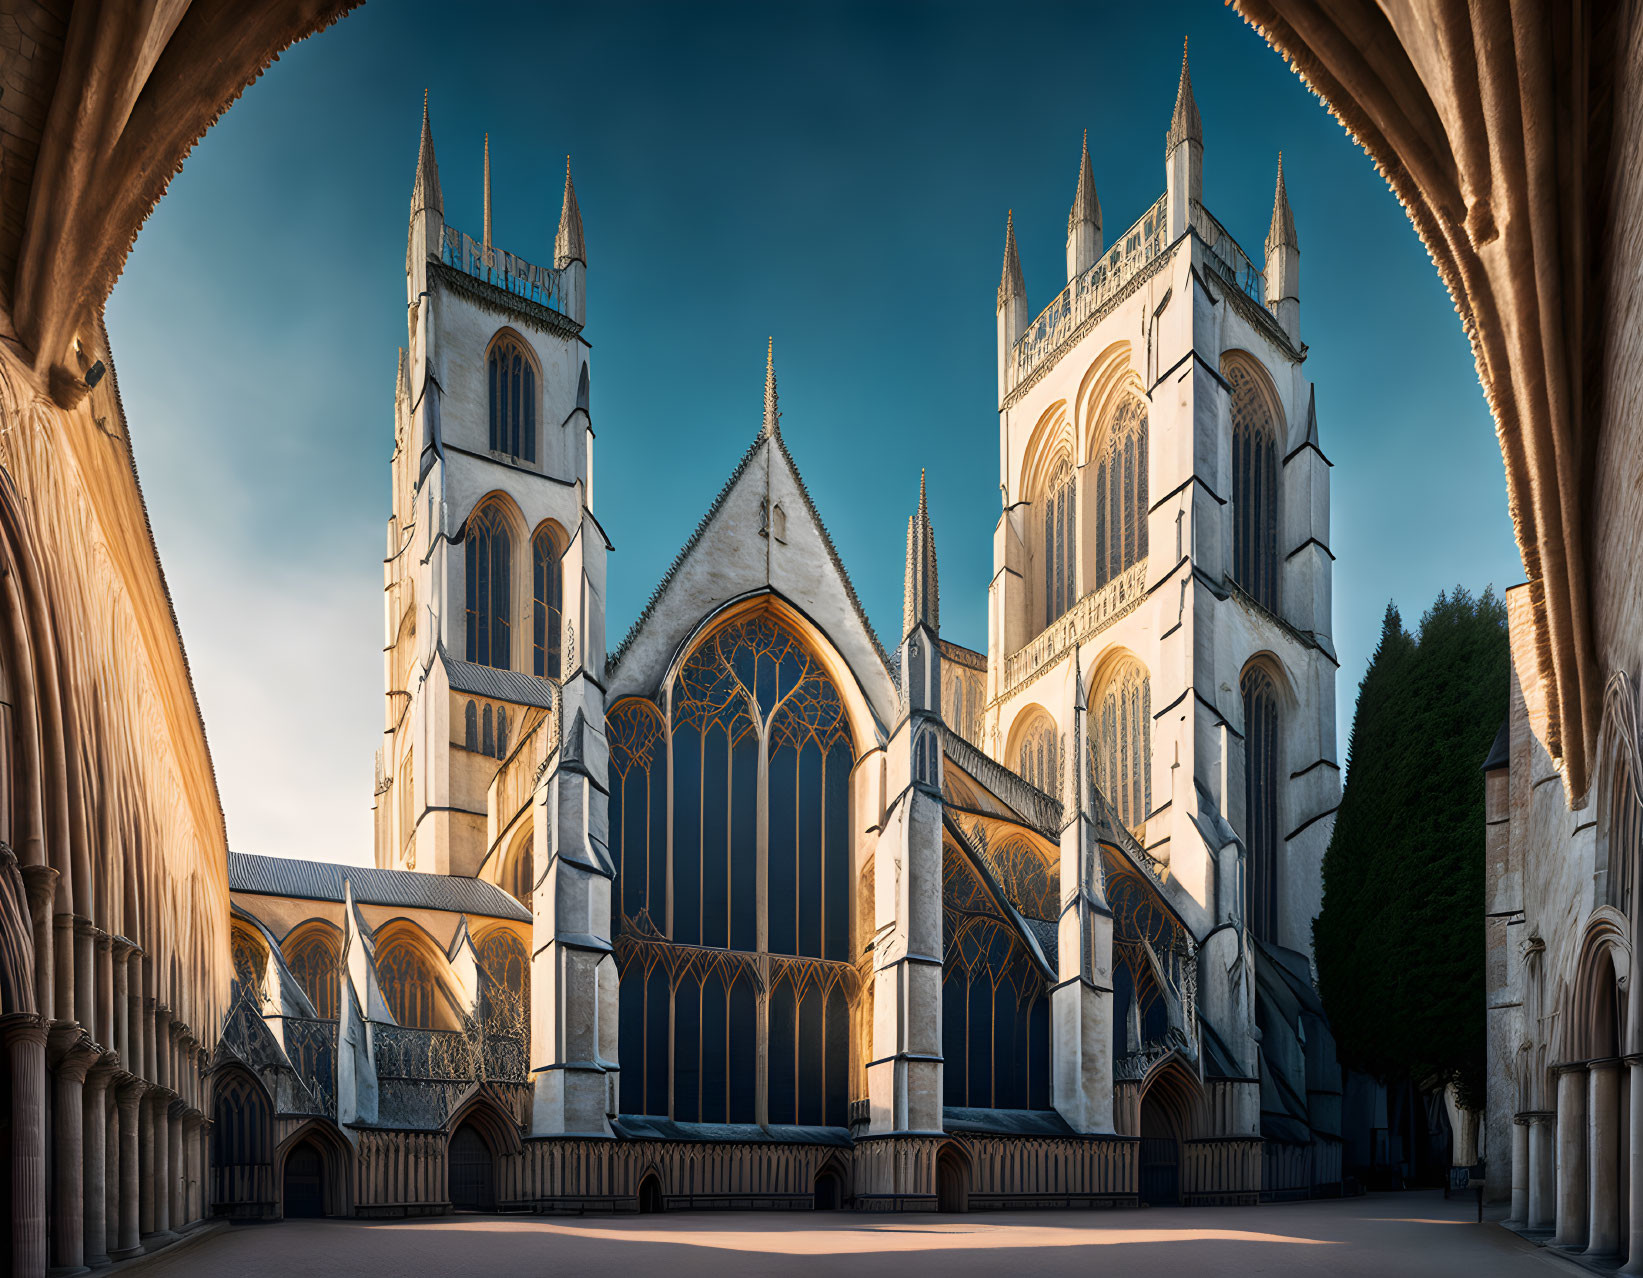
[[240, 1135], [408, 983], [752, 859], [1038, 758], [1121, 493], [995, 1013], [1060, 541], [506, 991], [312, 956], [512, 376], [547, 602], [1261, 762], [490, 586], [1123, 745], [1625, 833], [1254, 486], [250, 959]]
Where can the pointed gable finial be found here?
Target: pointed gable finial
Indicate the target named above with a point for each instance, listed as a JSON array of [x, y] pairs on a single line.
[[1011, 284], [487, 192], [1086, 206], [1282, 231], [772, 412], [1185, 125], [425, 192], [921, 597], [568, 245]]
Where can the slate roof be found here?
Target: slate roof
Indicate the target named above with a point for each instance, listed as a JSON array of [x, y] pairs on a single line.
[[650, 1127], [1005, 1122], [500, 685], [322, 881]]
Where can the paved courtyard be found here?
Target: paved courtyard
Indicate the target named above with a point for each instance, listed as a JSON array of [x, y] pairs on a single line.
[[1406, 1235]]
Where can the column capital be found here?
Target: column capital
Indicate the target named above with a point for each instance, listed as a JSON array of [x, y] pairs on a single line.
[[85, 927], [130, 1090], [70, 1051], [103, 1070], [41, 882], [124, 946], [23, 1027], [103, 939], [1604, 1063]]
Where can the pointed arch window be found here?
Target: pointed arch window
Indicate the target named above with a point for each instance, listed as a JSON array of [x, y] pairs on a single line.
[[1254, 486], [1060, 553], [1121, 493], [490, 586], [1625, 834], [733, 919], [1123, 745], [1038, 758], [512, 384], [1261, 764], [470, 727], [312, 956], [548, 598], [408, 983]]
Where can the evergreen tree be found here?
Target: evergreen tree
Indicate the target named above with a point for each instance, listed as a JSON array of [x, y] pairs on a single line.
[[1400, 937]]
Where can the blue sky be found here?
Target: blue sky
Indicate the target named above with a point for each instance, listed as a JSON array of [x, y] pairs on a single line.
[[834, 175]]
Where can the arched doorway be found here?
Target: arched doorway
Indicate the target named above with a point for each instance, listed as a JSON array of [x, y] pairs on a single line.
[[1160, 1154], [952, 1180], [650, 1194], [304, 1182], [829, 1190], [472, 1171]]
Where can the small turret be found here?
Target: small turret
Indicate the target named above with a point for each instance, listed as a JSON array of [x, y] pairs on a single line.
[[570, 254], [487, 232], [1084, 220], [1283, 263], [1012, 304], [772, 413], [921, 599], [1184, 154]]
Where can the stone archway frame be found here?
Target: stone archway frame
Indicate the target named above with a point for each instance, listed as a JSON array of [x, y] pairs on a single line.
[[338, 1159]]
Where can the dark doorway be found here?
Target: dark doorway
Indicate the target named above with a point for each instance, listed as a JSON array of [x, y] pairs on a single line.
[[473, 1177], [829, 1192], [952, 1180], [650, 1195], [304, 1182], [1160, 1156]]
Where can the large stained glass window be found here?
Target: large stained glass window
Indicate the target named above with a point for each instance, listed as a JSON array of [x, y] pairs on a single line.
[[1261, 799], [490, 586], [1038, 757], [1123, 745], [995, 1009], [733, 901], [1060, 542], [408, 983], [1254, 485], [1121, 493], [312, 955], [512, 386]]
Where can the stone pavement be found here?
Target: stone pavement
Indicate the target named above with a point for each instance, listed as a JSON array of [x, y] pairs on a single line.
[[1409, 1235]]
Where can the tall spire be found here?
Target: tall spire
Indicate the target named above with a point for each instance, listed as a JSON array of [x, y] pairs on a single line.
[[772, 414], [1282, 231], [487, 192], [568, 245], [1086, 207], [1010, 284], [921, 599], [425, 190], [1185, 125]]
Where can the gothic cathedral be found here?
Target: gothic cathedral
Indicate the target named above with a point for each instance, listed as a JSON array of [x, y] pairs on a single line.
[[754, 909]]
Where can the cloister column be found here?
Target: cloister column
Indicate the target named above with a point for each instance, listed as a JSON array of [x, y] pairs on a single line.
[[202, 1160], [1602, 1160], [130, 1099], [72, 1054], [121, 976], [174, 1163], [145, 1164], [1542, 1173], [192, 1196], [1520, 1171], [1634, 1182], [25, 1039], [94, 1135], [104, 1032], [1571, 1158]]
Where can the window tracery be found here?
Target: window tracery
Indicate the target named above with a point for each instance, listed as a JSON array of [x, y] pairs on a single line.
[[250, 958], [408, 983], [1123, 745], [1121, 493], [1254, 486], [505, 1007], [757, 749], [1038, 759], [547, 602], [312, 955], [489, 586], [1060, 541], [1261, 763], [512, 384]]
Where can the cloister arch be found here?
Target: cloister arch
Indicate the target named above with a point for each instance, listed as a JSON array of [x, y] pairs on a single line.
[[333, 1188]]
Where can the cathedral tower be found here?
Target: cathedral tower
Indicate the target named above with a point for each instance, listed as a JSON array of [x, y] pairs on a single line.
[[1160, 606]]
